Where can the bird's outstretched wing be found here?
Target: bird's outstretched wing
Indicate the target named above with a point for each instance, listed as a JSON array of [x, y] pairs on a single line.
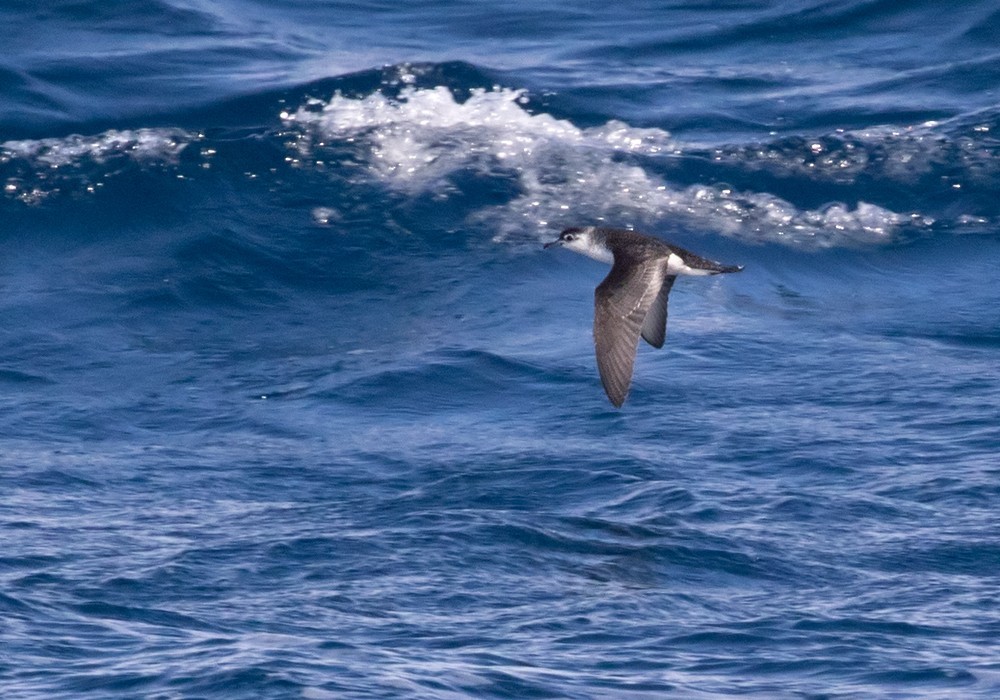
[[654, 326], [621, 305]]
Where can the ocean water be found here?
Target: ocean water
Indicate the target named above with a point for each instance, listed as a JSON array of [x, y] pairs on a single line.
[[294, 405]]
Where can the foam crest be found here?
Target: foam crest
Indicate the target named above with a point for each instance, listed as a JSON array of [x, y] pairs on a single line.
[[139, 144], [564, 174], [426, 133], [33, 169], [902, 154]]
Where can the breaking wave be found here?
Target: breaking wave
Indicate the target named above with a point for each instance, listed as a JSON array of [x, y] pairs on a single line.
[[423, 140], [439, 138]]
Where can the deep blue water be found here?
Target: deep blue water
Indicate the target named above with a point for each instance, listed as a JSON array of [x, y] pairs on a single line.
[[293, 404]]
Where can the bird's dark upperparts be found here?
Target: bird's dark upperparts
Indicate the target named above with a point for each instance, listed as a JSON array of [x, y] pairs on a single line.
[[631, 302]]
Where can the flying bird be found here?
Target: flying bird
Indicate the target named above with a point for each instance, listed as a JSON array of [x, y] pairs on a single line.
[[632, 300]]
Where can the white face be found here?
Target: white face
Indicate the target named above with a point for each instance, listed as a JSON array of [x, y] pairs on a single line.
[[581, 240], [577, 239]]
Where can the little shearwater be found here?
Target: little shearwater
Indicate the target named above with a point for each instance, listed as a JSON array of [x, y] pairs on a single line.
[[632, 299]]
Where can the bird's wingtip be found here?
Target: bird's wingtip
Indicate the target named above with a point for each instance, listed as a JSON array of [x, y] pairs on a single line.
[[617, 400]]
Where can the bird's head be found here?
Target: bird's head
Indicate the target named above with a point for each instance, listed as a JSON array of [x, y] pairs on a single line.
[[584, 240], [575, 238]]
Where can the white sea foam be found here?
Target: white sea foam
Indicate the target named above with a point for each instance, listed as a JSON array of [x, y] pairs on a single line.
[[140, 144], [36, 168], [565, 174]]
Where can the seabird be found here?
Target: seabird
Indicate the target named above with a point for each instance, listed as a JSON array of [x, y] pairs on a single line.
[[632, 299]]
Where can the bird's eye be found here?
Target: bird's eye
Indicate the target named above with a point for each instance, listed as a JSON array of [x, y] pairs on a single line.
[[568, 237]]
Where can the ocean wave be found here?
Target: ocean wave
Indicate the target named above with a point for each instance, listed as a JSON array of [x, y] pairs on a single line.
[[442, 131], [140, 144], [33, 169], [422, 139], [961, 152]]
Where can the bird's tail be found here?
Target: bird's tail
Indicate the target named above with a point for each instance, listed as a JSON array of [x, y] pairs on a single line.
[[727, 268]]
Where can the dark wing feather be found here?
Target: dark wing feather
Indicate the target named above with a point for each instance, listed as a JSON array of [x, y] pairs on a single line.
[[621, 303], [654, 326]]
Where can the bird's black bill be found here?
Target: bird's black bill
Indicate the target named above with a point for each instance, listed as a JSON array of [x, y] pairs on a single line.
[[552, 243]]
